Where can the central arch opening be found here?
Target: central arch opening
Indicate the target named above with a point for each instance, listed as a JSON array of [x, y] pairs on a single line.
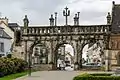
[[65, 57]]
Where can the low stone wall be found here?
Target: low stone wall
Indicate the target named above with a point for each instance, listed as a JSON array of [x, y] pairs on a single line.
[[42, 67]]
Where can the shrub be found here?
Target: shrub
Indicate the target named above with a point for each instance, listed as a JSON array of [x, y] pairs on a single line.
[[11, 65], [101, 74], [9, 56], [96, 77]]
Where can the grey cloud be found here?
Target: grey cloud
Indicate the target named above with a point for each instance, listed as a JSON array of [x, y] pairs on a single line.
[[91, 15], [43, 6], [39, 11], [88, 16], [84, 1]]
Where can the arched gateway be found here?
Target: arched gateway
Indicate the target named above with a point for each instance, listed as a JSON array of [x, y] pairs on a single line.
[[77, 36], [48, 39]]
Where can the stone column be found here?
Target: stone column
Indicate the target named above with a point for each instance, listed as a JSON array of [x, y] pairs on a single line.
[[49, 51], [80, 55], [25, 50], [54, 55], [74, 45], [75, 56], [81, 46], [107, 60]]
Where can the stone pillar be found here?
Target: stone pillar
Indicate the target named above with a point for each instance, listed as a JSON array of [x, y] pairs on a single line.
[[81, 46], [107, 60], [54, 55], [26, 51], [75, 57], [49, 56], [49, 52]]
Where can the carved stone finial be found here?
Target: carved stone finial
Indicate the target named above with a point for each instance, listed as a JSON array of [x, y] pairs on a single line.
[[113, 2], [55, 18], [78, 14], [51, 20], [108, 18], [76, 19], [26, 21]]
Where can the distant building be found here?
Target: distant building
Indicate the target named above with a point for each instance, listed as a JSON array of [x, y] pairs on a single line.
[[5, 43], [94, 54], [61, 52], [4, 24], [10, 29], [13, 26], [69, 57]]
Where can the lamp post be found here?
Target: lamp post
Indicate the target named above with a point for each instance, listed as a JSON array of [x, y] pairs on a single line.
[[26, 22], [66, 13]]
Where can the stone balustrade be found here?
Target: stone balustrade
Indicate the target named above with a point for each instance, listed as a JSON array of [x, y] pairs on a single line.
[[67, 30]]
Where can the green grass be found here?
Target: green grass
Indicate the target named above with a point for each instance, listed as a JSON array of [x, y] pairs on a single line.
[[14, 76]]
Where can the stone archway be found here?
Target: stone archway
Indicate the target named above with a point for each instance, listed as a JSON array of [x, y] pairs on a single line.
[[90, 42], [37, 58], [92, 52], [56, 51], [40, 54], [76, 36]]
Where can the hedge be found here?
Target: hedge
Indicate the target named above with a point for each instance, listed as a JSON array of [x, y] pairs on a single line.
[[11, 65], [101, 74], [91, 77]]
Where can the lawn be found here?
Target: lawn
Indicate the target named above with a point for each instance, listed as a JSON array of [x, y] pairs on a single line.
[[14, 76]]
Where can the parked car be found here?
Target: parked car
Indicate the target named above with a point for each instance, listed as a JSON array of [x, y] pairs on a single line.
[[91, 65], [69, 68]]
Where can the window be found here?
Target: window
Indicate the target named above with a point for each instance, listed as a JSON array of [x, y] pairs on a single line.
[[1, 32], [2, 55], [1, 47]]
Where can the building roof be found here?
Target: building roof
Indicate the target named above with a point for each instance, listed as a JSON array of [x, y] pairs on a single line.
[[12, 26], [1, 28], [4, 34], [115, 18]]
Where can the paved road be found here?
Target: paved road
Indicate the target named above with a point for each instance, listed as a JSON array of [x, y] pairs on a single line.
[[53, 75]]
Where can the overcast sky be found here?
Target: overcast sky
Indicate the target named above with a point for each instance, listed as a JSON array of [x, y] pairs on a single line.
[[39, 11]]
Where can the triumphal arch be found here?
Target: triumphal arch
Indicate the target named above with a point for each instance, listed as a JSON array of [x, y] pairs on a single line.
[[52, 37]]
